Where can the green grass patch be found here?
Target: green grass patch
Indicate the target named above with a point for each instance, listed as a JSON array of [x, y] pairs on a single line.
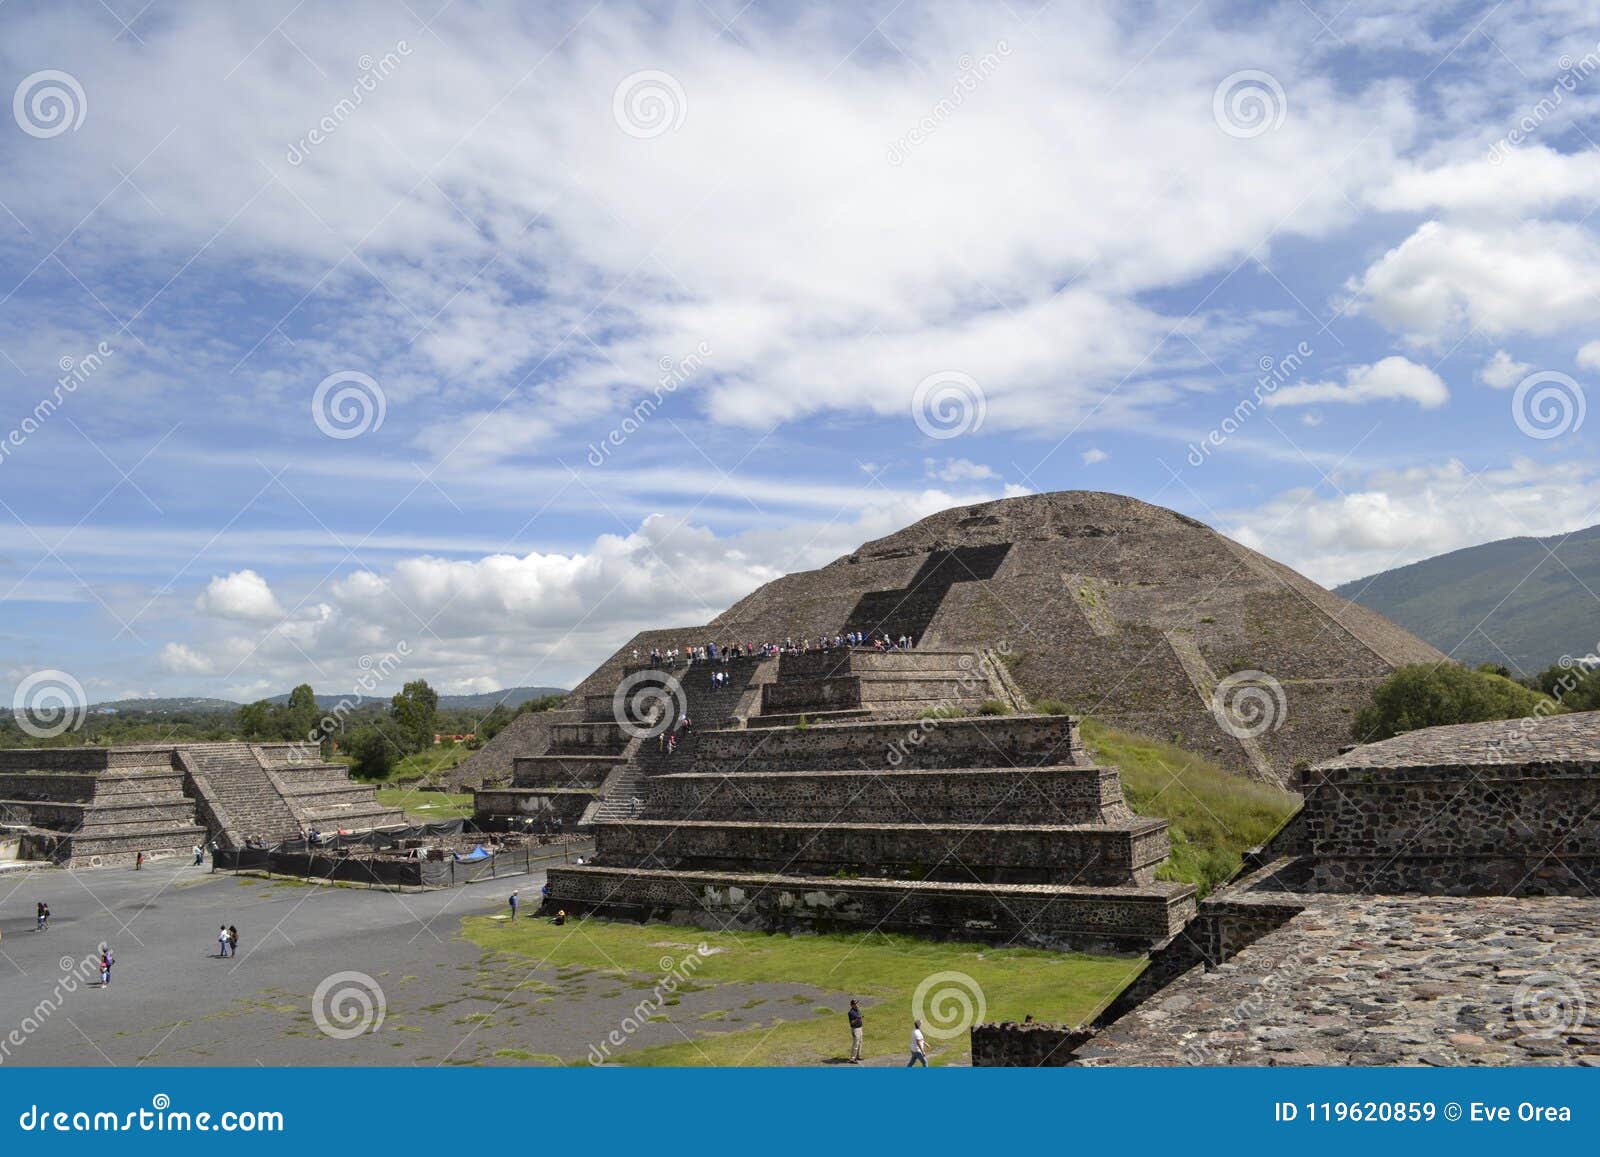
[[1214, 814], [426, 805], [882, 971]]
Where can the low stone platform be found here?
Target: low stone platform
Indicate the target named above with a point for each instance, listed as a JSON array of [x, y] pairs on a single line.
[[1097, 853], [1104, 919]]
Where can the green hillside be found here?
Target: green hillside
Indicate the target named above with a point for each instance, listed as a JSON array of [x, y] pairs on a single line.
[[1521, 602]]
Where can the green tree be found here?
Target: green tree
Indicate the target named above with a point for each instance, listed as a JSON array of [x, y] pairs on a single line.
[[1575, 687], [415, 707], [300, 715], [1423, 695], [372, 755], [259, 720]]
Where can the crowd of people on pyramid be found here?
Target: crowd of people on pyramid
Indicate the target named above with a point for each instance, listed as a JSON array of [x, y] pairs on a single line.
[[712, 652]]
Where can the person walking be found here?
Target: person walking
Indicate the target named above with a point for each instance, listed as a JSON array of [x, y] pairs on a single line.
[[138, 861], [919, 1046], [199, 855], [233, 940], [43, 916], [222, 941], [513, 901], [855, 1033], [106, 961]]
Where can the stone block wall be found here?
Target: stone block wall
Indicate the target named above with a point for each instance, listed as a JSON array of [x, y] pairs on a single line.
[[998, 741], [1051, 794], [1009, 1044], [1000, 855], [1453, 829]]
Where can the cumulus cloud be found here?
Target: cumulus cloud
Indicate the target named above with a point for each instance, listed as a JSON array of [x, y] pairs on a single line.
[[1094, 455], [1534, 277], [1589, 355], [181, 659], [1392, 378], [243, 595], [1502, 371]]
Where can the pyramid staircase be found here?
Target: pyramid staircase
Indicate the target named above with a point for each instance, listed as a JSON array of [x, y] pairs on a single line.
[[997, 828], [594, 768], [276, 792], [95, 807]]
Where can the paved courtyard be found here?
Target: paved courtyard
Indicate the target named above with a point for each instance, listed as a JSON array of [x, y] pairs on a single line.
[[173, 1001]]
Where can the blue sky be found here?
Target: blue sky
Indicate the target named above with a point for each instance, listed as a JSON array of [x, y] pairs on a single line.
[[315, 317]]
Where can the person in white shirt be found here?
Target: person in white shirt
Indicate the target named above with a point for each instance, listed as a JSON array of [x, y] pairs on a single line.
[[919, 1046]]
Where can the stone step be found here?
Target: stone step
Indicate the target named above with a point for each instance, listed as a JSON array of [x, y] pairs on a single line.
[[563, 770], [1118, 919], [1124, 853], [1053, 794], [796, 718], [1017, 741]]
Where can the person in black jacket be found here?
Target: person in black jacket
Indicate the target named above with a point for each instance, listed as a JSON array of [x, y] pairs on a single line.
[[855, 1033]]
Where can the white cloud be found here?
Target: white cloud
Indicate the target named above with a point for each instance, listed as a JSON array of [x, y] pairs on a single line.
[[1589, 356], [1502, 372], [1524, 181], [1535, 277], [1392, 378], [181, 659], [243, 595], [549, 253], [1094, 455], [1398, 517], [957, 470]]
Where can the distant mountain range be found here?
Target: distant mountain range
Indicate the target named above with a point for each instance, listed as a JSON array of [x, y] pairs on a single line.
[[512, 697], [1521, 602]]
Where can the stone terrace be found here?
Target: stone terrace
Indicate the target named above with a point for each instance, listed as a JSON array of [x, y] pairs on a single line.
[[96, 806], [916, 826]]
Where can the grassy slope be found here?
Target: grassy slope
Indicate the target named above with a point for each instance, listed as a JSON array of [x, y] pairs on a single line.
[[1214, 814], [883, 972], [426, 806]]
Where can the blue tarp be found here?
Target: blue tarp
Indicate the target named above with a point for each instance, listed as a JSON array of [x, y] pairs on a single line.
[[477, 853]]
